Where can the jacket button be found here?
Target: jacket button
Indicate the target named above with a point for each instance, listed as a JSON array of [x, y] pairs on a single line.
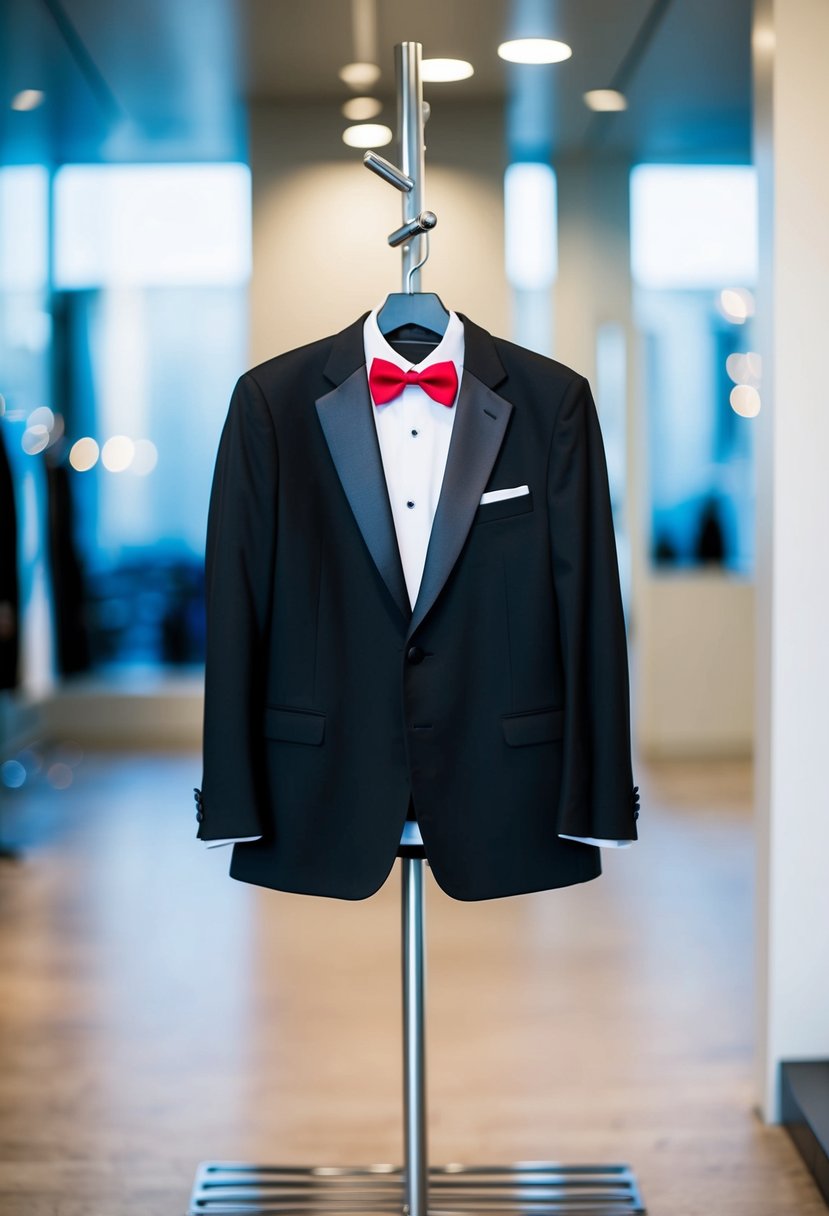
[[199, 815], [414, 654]]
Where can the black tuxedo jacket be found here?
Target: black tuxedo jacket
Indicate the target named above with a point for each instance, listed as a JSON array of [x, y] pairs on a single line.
[[499, 702]]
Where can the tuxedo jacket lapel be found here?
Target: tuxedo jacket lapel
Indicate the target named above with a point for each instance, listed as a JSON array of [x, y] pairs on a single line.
[[477, 436], [345, 416]]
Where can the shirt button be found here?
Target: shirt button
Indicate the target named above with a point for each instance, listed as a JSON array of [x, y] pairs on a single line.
[[414, 432], [410, 503]]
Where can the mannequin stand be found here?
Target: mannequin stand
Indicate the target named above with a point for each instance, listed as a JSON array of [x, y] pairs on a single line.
[[541, 1188]]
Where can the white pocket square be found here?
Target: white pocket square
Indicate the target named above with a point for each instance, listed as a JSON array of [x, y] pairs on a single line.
[[498, 495]]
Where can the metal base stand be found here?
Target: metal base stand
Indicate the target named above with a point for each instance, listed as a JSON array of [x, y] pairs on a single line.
[[415, 1189], [525, 1186]]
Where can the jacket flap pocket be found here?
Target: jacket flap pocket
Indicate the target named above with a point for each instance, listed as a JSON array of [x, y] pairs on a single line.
[[294, 725], [537, 726]]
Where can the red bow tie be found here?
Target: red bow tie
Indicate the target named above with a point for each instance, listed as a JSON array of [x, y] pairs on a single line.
[[387, 381]]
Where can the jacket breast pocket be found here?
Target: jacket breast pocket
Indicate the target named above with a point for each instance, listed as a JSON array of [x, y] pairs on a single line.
[[533, 726], [502, 509], [294, 725]]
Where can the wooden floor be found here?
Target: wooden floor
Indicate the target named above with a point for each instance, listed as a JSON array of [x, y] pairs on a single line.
[[155, 1013]]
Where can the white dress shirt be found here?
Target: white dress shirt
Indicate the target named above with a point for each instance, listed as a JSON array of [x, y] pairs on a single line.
[[413, 432]]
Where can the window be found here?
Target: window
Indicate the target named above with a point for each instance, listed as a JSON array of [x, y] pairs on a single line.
[[151, 267], [694, 264]]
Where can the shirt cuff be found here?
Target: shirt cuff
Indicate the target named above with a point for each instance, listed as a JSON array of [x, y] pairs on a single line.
[[214, 844], [605, 844], [412, 836]]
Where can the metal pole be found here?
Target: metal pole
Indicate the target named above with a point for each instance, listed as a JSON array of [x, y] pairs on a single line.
[[412, 147], [416, 1167]]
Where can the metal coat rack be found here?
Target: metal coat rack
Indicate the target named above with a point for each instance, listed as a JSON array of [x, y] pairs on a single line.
[[534, 1188]]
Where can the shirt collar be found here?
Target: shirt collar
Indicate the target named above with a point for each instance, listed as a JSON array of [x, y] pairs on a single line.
[[450, 347]]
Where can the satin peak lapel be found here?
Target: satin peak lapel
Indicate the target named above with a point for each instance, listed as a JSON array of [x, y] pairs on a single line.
[[345, 417], [477, 435]]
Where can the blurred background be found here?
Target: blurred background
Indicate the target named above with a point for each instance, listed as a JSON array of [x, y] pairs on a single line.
[[141, 273], [181, 197]]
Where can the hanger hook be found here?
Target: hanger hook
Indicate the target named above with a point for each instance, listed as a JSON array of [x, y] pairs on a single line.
[[421, 263]]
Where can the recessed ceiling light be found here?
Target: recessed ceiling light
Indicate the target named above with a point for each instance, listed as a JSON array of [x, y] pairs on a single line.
[[605, 99], [534, 50], [367, 135], [433, 70], [358, 109], [360, 75], [28, 99]]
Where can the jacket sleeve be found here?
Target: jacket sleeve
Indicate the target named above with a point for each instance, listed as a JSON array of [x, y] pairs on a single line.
[[598, 798], [239, 557]]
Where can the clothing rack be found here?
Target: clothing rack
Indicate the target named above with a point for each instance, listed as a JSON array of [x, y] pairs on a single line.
[[534, 1188]]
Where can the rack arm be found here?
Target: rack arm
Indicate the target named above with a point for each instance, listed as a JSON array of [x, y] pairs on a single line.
[[389, 172]]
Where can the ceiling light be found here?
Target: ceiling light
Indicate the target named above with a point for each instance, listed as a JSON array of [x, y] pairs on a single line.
[[358, 109], [360, 75], [433, 70], [367, 135], [28, 99], [605, 99], [534, 50]]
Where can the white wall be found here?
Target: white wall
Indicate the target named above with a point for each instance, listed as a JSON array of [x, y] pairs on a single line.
[[320, 222], [695, 674], [792, 783]]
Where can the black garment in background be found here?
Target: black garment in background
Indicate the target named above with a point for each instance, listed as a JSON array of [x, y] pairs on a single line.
[[498, 705], [69, 597], [9, 579], [709, 548]]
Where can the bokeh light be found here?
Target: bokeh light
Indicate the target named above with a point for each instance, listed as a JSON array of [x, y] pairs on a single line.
[[745, 400], [145, 457], [736, 304], [434, 71], [12, 774], [34, 439], [534, 50], [83, 454], [360, 75], [367, 135], [117, 453], [605, 100], [360, 109]]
